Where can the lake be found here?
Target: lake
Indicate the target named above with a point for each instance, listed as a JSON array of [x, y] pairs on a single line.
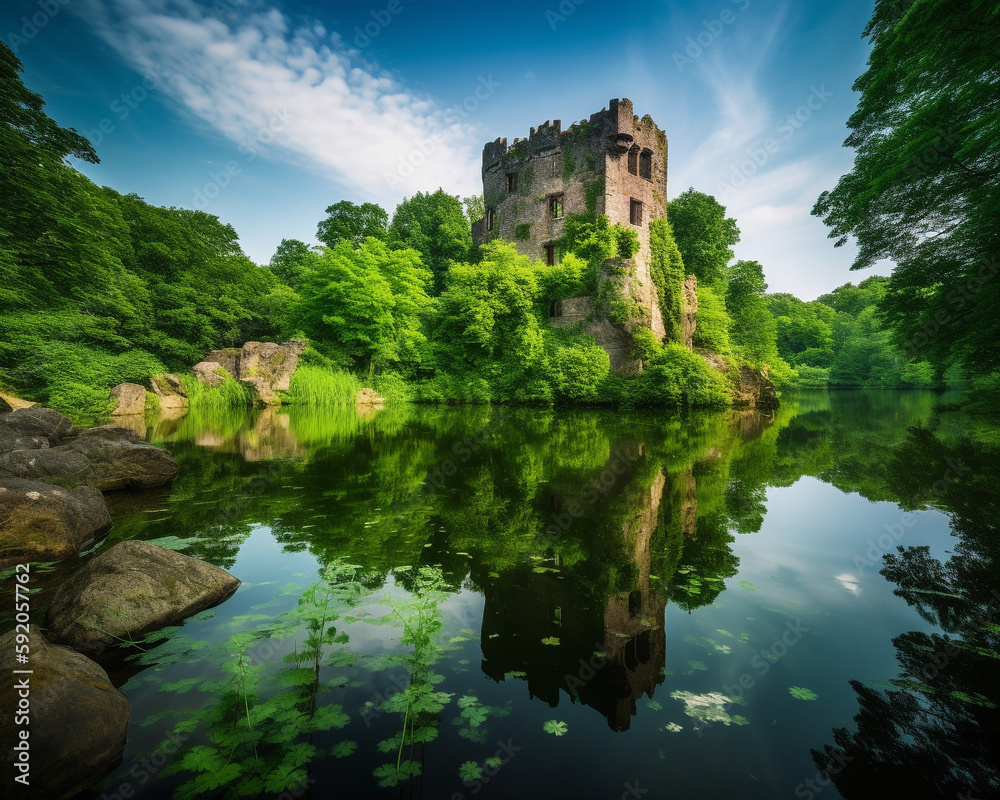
[[540, 603]]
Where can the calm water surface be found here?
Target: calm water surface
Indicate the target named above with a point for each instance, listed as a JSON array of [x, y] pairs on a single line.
[[583, 604]]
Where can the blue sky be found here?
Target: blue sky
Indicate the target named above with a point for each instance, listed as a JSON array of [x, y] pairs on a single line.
[[264, 113]]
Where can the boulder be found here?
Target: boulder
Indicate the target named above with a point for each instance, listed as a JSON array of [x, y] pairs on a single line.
[[78, 721], [5, 407], [211, 373], [35, 421], [132, 589], [9, 443], [755, 389], [265, 366], [369, 397], [169, 390], [228, 358], [40, 522], [129, 399], [275, 363], [107, 458], [264, 394]]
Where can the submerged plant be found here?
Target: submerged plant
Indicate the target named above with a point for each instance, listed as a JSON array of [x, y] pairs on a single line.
[[258, 734], [420, 704]]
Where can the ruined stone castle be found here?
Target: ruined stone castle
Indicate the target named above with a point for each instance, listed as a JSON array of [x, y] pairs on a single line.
[[613, 164]]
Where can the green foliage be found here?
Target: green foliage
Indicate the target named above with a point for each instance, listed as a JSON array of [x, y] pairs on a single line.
[[230, 394], [475, 208], [705, 237], [712, 329], [579, 372], [364, 307], [347, 222], [292, 261], [84, 404], [522, 232], [593, 191], [555, 727], [562, 280], [667, 271], [594, 239], [434, 225], [259, 724], [801, 693], [420, 703], [320, 387], [924, 190], [752, 328], [677, 377], [645, 344]]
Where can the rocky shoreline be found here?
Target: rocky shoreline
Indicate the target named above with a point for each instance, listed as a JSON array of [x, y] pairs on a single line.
[[53, 477]]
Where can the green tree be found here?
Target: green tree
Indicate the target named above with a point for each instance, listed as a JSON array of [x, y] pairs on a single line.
[[435, 225], [291, 261], [347, 222], [753, 331], [363, 307], [705, 236], [925, 187]]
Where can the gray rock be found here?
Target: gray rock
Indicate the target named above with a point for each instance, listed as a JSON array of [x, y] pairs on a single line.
[[36, 421], [40, 522], [9, 443], [78, 721], [211, 373], [106, 458], [5, 407], [132, 589], [170, 391], [129, 398]]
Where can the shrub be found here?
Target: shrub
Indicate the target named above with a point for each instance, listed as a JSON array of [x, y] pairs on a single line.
[[677, 377], [579, 372], [646, 344], [83, 404]]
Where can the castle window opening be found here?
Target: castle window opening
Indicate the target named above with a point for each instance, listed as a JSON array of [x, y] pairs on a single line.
[[646, 165], [551, 255], [556, 206], [491, 218], [511, 181], [635, 604], [633, 160], [635, 212], [555, 309]]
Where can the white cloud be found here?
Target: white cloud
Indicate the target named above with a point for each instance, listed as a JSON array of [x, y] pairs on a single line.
[[296, 93]]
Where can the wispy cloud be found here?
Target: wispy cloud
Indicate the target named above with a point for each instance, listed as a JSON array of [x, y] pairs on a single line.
[[346, 117]]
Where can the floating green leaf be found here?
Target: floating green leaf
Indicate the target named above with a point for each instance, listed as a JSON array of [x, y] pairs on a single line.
[[470, 771], [555, 727], [801, 693], [747, 585]]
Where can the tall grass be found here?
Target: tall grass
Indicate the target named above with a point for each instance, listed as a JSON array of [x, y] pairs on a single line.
[[228, 395], [322, 388]]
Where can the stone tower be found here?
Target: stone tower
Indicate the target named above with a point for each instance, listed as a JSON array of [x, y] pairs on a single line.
[[613, 164]]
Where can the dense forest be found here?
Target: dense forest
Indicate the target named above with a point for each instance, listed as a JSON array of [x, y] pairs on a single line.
[[99, 288]]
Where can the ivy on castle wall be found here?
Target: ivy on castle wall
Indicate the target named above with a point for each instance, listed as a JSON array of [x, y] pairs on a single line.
[[667, 271]]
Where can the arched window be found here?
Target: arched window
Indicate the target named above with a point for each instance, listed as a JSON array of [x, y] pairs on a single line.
[[646, 165], [491, 218], [633, 160]]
